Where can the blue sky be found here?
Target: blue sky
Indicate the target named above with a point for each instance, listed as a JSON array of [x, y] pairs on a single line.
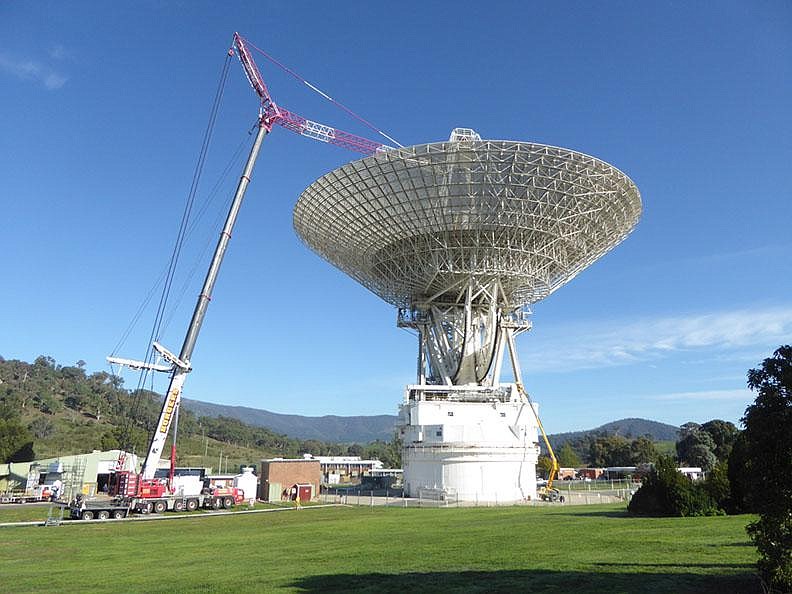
[[103, 113]]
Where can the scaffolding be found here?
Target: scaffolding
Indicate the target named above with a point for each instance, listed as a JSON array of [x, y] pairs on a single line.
[[72, 479]]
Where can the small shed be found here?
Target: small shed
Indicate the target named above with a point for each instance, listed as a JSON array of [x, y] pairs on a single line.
[[304, 492]]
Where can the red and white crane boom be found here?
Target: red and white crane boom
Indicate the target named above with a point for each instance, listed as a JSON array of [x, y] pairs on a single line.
[[272, 113], [179, 366]]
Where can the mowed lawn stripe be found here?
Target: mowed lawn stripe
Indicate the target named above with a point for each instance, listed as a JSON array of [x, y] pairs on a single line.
[[583, 548]]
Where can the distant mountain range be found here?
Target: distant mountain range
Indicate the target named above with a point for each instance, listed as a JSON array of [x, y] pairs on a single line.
[[365, 429], [362, 429]]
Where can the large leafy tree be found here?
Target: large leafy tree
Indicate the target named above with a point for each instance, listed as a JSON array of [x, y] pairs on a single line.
[[768, 439], [567, 457], [643, 450], [723, 434], [615, 450], [696, 447]]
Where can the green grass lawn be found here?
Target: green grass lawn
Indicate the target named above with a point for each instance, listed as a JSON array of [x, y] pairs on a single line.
[[37, 512], [509, 549], [30, 512]]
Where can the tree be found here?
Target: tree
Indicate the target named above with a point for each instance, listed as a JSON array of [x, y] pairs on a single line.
[[643, 450], [388, 452], [740, 477], [696, 447], [610, 450], [723, 434], [41, 427], [544, 465], [355, 450], [718, 486], [567, 457], [109, 440], [768, 437], [688, 428], [16, 442], [701, 455]]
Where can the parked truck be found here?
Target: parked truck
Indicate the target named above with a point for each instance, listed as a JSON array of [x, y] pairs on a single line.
[[189, 489]]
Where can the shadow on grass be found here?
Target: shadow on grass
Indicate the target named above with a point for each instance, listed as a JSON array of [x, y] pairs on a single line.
[[689, 565], [531, 581]]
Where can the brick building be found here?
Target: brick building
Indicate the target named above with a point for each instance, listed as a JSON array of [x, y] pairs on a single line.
[[278, 475]]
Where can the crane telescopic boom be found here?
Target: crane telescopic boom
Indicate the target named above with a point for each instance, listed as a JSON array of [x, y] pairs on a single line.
[[181, 365]]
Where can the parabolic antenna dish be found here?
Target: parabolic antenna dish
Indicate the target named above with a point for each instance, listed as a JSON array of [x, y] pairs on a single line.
[[411, 224]]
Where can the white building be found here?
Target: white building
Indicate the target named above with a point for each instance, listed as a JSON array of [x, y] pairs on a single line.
[[344, 469]]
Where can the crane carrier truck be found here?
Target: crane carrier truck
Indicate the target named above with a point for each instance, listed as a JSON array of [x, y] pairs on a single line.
[[189, 489]]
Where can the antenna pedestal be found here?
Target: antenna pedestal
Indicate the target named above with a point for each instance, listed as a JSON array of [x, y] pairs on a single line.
[[471, 444]]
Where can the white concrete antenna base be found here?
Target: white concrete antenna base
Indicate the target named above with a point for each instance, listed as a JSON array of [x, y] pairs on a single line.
[[468, 444]]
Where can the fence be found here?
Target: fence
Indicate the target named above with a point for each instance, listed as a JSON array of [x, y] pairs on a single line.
[[396, 498]]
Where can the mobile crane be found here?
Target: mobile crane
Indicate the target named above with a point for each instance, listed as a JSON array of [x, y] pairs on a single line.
[[147, 492]]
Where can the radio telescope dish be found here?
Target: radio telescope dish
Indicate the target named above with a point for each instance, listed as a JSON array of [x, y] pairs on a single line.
[[411, 223], [462, 236]]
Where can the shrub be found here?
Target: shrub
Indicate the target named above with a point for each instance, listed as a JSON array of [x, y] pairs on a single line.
[[667, 492]]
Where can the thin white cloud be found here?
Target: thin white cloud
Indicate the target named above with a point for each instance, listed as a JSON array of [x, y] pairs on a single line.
[[742, 395], [608, 345], [58, 52], [731, 378], [34, 71]]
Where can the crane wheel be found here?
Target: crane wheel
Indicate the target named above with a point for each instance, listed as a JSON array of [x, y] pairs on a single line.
[[146, 508], [228, 502], [192, 504], [87, 515], [103, 515], [178, 506], [160, 506], [118, 514]]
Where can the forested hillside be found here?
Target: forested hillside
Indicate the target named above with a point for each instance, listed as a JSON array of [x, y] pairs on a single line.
[[47, 409], [625, 442], [628, 428]]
